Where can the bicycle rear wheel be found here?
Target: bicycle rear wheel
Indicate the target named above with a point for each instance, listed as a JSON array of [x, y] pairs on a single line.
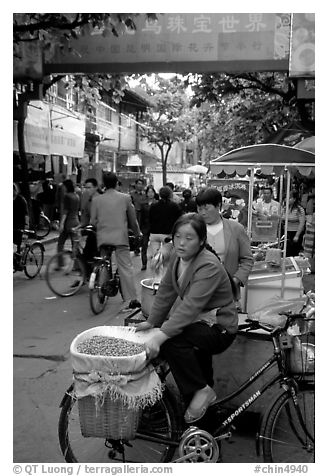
[[283, 438], [43, 228], [33, 260], [97, 288], [65, 274], [158, 423]]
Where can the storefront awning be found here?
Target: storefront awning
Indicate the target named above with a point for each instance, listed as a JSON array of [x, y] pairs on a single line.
[[269, 158], [52, 130]]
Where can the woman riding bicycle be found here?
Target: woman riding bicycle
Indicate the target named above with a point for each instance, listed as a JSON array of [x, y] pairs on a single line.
[[195, 314]]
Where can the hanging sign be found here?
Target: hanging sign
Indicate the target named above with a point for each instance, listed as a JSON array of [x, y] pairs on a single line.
[[181, 42], [302, 48], [235, 194]]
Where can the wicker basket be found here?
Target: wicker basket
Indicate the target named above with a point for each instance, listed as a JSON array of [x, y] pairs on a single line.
[[112, 420]]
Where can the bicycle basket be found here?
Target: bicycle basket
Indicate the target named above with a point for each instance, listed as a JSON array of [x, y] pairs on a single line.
[[301, 357], [110, 419]]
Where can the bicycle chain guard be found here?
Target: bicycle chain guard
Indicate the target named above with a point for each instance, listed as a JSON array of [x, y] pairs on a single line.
[[198, 446]]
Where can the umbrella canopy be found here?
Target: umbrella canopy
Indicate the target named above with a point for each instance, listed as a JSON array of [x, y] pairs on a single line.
[[306, 144], [197, 169], [268, 157]]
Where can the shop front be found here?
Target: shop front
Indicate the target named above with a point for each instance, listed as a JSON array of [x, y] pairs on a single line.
[[54, 141]]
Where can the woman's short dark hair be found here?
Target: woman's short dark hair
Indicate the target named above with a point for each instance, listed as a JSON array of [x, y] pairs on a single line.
[[93, 181], [69, 185], [165, 193], [151, 187], [196, 221], [209, 196]]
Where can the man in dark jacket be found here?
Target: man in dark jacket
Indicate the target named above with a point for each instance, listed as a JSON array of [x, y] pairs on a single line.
[[188, 204], [162, 216]]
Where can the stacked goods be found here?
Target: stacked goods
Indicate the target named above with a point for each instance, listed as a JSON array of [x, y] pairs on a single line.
[[112, 380], [112, 346]]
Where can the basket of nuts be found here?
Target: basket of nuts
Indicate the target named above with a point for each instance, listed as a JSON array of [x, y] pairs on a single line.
[[111, 381]]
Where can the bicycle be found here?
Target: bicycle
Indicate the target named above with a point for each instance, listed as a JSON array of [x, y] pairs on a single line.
[[104, 280], [286, 431], [40, 222], [43, 227], [30, 260], [66, 271]]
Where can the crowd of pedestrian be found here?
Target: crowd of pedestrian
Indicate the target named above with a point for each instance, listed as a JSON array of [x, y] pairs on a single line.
[[195, 312]]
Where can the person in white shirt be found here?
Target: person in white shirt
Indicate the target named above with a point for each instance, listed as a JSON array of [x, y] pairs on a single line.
[[266, 205]]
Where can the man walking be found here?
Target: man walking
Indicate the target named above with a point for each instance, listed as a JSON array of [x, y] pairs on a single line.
[[138, 198], [112, 213]]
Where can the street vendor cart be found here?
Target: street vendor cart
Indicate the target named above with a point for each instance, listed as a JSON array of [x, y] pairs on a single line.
[[284, 161]]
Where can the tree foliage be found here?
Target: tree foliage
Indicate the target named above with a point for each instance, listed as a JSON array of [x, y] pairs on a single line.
[[238, 110], [170, 120], [57, 30]]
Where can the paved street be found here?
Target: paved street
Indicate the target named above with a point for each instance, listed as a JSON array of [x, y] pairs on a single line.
[[43, 328]]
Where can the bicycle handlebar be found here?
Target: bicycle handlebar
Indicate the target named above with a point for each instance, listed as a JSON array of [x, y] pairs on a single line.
[[252, 324], [30, 233]]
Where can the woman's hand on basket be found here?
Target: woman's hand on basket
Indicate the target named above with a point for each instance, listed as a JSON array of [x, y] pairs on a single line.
[[143, 326], [153, 345]]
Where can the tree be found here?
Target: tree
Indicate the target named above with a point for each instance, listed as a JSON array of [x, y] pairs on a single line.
[[238, 110], [170, 120], [56, 30]]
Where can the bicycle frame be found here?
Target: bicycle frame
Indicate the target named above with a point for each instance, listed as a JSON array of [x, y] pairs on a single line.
[[26, 244], [286, 381]]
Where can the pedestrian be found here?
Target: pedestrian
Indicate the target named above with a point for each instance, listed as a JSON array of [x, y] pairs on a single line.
[[113, 213], [47, 198], [138, 198], [20, 217], [194, 315], [188, 204], [227, 237], [151, 197], [60, 192], [70, 215], [175, 197], [162, 216], [295, 226], [91, 190]]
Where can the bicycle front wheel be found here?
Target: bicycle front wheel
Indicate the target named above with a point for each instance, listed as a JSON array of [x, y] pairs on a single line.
[[284, 438], [33, 260], [153, 442], [65, 274], [97, 288], [43, 227]]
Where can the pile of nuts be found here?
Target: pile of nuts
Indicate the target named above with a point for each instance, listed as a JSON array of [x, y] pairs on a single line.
[[110, 346]]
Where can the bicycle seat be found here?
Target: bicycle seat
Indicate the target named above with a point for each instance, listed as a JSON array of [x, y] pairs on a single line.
[[108, 249]]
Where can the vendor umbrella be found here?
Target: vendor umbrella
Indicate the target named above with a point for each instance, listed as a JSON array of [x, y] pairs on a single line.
[[306, 144], [197, 169], [268, 157]]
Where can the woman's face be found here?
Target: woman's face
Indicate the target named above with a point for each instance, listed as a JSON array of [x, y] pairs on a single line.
[[150, 193], [210, 213], [291, 201], [186, 242]]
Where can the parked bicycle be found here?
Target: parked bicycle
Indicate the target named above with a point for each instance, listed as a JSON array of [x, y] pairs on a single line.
[[285, 434], [30, 259], [67, 271]]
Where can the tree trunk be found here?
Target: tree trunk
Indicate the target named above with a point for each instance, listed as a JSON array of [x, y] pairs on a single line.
[[164, 162]]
